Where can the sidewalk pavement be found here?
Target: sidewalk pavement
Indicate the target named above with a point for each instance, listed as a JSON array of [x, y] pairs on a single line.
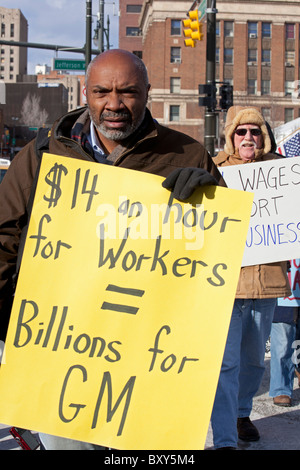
[[279, 427]]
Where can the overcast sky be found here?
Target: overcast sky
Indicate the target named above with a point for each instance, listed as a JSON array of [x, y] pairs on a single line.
[[61, 22]]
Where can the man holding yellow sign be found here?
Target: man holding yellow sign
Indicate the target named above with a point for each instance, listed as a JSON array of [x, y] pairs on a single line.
[[115, 129]]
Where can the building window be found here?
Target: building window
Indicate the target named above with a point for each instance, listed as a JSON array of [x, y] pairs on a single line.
[[266, 30], [290, 58], [252, 55], [174, 112], [133, 8], [229, 81], [228, 55], [175, 27], [228, 29], [265, 87], [138, 54], [266, 112], [252, 87], [217, 28], [175, 55], [12, 30], [217, 55], [132, 31], [288, 114], [252, 29], [175, 84], [2, 30], [289, 31], [289, 87], [266, 56]]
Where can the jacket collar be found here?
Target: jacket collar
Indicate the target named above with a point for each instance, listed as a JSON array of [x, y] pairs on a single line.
[[224, 158]]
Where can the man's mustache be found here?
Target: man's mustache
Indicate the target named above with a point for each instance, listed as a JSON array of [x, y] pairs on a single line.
[[248, 143], [111, 115]]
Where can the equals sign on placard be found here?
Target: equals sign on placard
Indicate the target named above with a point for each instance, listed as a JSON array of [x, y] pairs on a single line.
[[123, 308]]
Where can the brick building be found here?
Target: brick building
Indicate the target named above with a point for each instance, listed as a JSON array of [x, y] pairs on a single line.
[[257, 51], [130, 37], [70, 82], [13, 60]]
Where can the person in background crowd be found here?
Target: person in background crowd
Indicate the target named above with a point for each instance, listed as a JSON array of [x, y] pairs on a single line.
[[246, 140], [284, 331]]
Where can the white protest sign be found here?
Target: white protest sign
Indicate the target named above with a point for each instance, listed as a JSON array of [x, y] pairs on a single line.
[[274, 229]]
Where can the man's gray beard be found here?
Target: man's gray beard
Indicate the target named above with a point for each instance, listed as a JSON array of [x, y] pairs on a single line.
[[117, 134]]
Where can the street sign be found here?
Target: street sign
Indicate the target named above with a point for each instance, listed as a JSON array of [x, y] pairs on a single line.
[[68, 64], [202, 9]]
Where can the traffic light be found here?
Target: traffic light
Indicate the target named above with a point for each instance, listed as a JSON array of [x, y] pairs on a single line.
[[7, 137], [226, 92], [209, 100], [192, 29]]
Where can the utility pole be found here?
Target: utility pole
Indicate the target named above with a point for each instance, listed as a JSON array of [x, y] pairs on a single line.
[[210, 114], [101, 32], [101, 26], [88, 39]]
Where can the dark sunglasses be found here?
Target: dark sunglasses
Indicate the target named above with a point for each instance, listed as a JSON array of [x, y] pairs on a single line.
[[243, 132]]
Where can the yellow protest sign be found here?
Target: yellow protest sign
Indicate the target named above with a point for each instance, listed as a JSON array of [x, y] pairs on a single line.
[[122, 307]]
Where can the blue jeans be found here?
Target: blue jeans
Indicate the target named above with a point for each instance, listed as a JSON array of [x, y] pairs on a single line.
[[242, 367], [282, 366]]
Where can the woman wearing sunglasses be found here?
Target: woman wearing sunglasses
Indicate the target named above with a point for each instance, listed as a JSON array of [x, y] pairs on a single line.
[[246, 140]]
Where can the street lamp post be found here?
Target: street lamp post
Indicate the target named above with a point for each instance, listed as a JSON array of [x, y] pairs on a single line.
[[101, 33], [88, 39], [101, 26], [210, 114]]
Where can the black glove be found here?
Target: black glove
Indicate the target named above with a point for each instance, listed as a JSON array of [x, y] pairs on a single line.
[[183, 181]]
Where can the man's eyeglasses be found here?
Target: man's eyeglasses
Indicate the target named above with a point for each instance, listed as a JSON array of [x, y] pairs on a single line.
[[243, 132]]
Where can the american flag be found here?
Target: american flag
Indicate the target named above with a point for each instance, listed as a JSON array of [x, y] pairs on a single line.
[[287, 137], [292, 146]]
